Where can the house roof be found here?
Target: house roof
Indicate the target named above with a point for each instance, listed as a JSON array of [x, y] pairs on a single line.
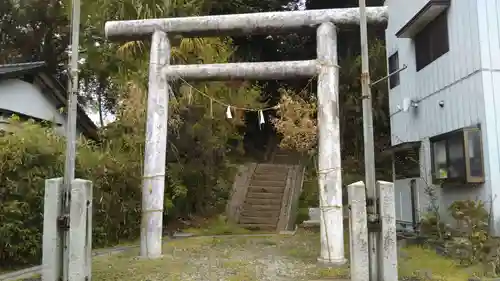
[[20, 68], [402, 146], [58, 91], [428, 13]]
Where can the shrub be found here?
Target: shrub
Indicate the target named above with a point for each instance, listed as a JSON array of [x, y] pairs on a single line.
[[32, 154]]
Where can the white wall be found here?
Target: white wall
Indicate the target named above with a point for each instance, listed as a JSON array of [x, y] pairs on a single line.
[[489, 37], [23, 97]]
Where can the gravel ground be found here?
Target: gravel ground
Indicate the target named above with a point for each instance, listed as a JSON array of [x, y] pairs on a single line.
[[258, 258], [273, 258]]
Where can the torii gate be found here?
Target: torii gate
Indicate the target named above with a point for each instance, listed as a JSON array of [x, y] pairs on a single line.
[[325, 66]]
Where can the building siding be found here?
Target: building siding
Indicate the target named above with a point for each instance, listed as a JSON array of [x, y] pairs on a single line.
[[489, 37], [464, 80], [447, 78], [26, 98]]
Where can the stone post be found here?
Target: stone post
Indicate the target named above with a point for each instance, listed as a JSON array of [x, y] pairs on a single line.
[[360, 264], [52, 237], [79, 229], [388, 239], [55, 225]]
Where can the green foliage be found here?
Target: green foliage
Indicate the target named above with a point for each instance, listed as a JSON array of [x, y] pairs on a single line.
[[201, 146], [431, 226], [469, 241], [302, 215], [470, 215], [472, 221], [32, 154], [416, 263]]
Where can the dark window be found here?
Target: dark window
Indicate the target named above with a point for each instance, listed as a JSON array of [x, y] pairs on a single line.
[[432, 41], [407, 163], [393, 67], [457, 157]]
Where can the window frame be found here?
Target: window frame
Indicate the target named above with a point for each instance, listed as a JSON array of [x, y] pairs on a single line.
[[411, 150], [429, 41], [394, 80], [465, 175]]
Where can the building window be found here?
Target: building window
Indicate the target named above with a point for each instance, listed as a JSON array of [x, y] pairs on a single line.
[[393, 67], [432, 42], [407, 163], [457, 157]]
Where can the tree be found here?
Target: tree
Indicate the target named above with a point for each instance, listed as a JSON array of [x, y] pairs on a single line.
[[296, 120], [34, 30]]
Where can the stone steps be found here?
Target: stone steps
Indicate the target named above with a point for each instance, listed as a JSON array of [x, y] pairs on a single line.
[[263, 201], [263, 195], [261, 183], [266, 189], [270, 177], [262, 205], [248, 207], [271, 227], [259, 220], [257, 213]]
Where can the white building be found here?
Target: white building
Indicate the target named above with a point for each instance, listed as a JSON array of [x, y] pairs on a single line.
[[444, 105], [29, 92]]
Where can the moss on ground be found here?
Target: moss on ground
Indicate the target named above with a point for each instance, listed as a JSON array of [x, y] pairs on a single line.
[[425, 264]]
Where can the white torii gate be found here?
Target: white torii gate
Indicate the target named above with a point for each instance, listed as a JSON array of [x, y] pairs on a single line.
[[325, 66]]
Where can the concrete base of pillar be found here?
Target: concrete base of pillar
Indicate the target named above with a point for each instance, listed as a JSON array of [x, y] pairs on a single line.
[[331, 263]]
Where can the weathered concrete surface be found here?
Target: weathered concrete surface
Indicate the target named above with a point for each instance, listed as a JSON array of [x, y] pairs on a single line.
[[155, 152], [52, 239], [293, 190], [278, 70], [239, 191], [388, 239], [263, 203], [330, 173], [360, 263], [80, 252], [239, 24]]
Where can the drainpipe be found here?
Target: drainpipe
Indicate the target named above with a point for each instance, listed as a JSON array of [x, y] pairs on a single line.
[[413, 202]]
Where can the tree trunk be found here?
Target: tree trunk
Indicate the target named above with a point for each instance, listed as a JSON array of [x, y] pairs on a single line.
[[100, 90]]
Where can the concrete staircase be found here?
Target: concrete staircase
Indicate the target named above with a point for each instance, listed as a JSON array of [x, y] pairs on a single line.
[[264, 199], [265, 195], [280, 156]]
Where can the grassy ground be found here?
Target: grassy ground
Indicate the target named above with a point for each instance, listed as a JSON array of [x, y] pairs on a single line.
[[273, 257], [425, 264], [217, 226]]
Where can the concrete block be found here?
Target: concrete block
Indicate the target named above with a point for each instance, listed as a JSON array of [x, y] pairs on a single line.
[[388, 240], [79, 252], [358, 227], [52, 239]]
